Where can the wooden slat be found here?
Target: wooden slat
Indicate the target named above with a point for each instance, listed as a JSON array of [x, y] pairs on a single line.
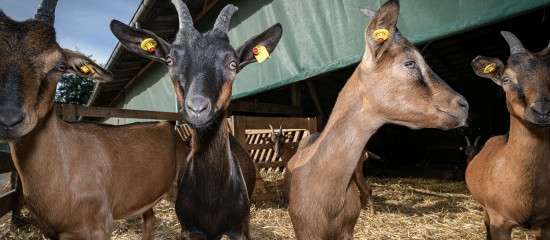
[[120, 113], [6, 202], [289, 123], [267, 145], [6, 164]]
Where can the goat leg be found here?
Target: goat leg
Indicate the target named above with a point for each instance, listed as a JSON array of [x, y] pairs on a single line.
[[148, 220], [364, 189]]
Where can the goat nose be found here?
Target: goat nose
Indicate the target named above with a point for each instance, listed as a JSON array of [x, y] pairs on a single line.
[[197, 104], [11, 117], [461, 102], [541, 109]]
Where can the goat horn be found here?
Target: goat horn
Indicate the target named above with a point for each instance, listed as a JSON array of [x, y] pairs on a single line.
[[513, 42], [281, 129], [46, 11], [467, 141], [222, 22], [185, 19], [476, 141], [272, 131]]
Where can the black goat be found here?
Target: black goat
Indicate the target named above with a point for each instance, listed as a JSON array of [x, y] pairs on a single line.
[[212, 195]]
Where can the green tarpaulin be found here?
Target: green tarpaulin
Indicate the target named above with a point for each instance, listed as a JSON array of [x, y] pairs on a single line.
[[321, 36], [325, 35]]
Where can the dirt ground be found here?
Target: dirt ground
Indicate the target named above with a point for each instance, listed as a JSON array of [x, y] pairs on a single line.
[[407, 208]]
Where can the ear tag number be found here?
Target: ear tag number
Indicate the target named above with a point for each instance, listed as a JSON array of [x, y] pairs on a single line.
[[260, 53], [148, 45], [86, 70], [380, 35], [490, 68]]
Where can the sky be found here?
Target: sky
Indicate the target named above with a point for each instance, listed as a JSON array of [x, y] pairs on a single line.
[[80, 24]]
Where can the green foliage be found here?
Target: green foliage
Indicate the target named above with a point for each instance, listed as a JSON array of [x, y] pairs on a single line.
[[74, 89]]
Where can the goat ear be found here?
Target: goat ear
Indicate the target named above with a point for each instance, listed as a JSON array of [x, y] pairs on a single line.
[[488, 67], [383, 22], [269, 39], [81, 65], [289, 136], [132, 39]]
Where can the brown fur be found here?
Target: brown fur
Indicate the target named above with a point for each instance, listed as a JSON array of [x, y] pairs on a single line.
[[324, 201], [76, 177], [510, 176], [285, 152]]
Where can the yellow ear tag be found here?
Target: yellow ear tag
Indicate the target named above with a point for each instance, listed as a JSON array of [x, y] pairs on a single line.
[[148, 45], [86, 70], [380, 35], [490, 68], [260, 53]]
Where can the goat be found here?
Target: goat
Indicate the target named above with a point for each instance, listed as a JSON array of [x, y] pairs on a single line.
[[285, 152], [471, 150], [392, 84], [509, 177], [76, 177], [212, 195]]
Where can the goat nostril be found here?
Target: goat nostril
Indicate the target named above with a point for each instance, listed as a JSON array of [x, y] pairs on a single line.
[[11, 118], [197, 104], [463, 103], [540, 111]]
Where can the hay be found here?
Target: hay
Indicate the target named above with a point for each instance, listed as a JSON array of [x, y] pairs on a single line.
[[406, 209]]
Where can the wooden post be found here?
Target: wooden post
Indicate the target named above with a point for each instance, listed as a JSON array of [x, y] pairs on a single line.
[[16, 218], [317, 104], [238, 127], [312, 125], [69, 112]]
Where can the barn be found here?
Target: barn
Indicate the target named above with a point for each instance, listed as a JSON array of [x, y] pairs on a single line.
[[322, 45]]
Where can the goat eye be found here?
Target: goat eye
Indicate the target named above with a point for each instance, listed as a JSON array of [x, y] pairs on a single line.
[[233, 65], [409, 64], [505, 80], [169, 61], [61, 67]]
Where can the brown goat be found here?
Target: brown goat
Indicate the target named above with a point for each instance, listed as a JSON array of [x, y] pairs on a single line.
[[510, 176], [76, 177], [285, 152], [392, 84]]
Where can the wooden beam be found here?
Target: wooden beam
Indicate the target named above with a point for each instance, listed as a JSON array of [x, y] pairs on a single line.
[[256, 107], [317, 104], [82, 111], [290, 123]]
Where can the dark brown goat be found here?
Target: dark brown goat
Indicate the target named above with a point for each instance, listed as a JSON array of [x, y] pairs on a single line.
[[392, 84], [214, 191], [472, 150], [286, 152], [510, 176], [76, 177]]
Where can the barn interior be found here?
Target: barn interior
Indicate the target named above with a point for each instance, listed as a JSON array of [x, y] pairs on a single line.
[[420, 151]]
